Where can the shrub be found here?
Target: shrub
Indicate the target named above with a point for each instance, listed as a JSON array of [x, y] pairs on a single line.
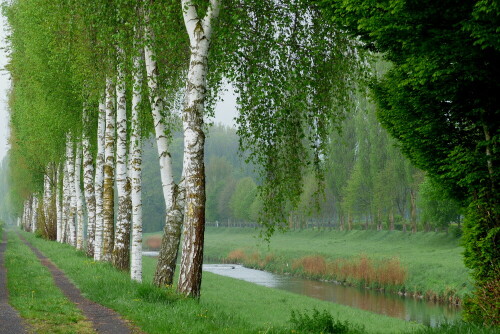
[[321, 322], [484, 305]]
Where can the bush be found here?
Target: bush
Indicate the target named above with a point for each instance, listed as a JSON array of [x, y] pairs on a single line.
[[483, 306], [321, 322]]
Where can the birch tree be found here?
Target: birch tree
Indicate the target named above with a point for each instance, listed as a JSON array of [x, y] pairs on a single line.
[[59, 206], [78, 197], [99, 182], [88, 183], [199, 30], [109, 173], [121, 254], [162, 115], [70, 229], [135, 168]]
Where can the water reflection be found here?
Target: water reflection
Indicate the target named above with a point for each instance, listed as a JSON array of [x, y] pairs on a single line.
[[410, 309]]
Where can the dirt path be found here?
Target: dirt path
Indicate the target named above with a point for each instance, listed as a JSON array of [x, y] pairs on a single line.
[[104, 320], [10, 321]]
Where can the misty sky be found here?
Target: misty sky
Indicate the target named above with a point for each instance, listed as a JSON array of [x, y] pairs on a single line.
[[4, 86], [225, 111]]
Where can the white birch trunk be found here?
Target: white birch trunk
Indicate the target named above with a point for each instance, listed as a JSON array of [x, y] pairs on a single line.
[[34, 213], [79, 197], [70, 228], [29, 220], [99, 182], [66, 202], [59, 207], [135, 169], [199, 31], [157, 107], [88, 185], [47, 193], [121, 255], [26, 214], [109, 174], [73, 200], [171, 236]]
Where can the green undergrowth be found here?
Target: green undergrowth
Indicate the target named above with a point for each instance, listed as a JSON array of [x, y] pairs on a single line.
[[432, 261], [459, 328], [226, 306], [33, 293]]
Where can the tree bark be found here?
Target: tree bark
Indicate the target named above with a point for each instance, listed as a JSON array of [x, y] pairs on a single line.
[[47, 193], [88, 185], [391, 220], [79, 197], [66, 202], [135, 172], [34, 214], [199, 31], [167, 259], [109, 174], [99, 182], [121, 254], [59, 206], [70, 195], [413, 210], [489, 159]]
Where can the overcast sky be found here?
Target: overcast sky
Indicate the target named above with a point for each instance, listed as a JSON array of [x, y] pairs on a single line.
[[4, 86], [225, 111]]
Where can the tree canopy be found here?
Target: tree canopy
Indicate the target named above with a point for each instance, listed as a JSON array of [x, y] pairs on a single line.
[[440, 100]]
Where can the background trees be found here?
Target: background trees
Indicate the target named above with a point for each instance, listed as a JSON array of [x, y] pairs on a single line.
[[440, 102]]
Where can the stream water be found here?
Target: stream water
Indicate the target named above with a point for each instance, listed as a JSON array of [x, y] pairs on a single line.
[[407, 308], [410, 309]]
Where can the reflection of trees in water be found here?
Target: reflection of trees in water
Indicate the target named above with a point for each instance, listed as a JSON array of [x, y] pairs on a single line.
[[410, 309]]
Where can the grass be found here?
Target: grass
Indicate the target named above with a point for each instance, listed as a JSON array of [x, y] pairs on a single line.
[[430, 263], [459, 328], [226, 306], [33, 293]]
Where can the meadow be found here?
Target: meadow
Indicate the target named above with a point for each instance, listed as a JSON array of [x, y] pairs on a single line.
[[425, 264], [226, 305]]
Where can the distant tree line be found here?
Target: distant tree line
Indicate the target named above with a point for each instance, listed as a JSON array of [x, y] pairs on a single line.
[[368, 184]]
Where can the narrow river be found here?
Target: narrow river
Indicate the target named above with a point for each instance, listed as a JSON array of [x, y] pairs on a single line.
[[410, 309]]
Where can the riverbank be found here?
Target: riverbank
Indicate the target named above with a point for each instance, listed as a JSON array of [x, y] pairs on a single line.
[[226, 306], [423, 265]]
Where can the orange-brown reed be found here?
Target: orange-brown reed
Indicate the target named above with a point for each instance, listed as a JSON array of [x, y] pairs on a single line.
[[360, 269]]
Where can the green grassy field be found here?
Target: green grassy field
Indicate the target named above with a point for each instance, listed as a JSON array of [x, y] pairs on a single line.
[[226, 305], [433, 261]]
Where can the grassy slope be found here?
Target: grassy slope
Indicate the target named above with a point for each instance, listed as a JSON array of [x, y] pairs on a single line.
[[226, 306], [433, 260], [33, 293]]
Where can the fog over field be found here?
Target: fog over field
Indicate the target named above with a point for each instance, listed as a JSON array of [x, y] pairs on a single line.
[[4, 86]]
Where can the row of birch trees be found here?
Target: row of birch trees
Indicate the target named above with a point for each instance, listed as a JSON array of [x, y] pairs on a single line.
[[90, 79]]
